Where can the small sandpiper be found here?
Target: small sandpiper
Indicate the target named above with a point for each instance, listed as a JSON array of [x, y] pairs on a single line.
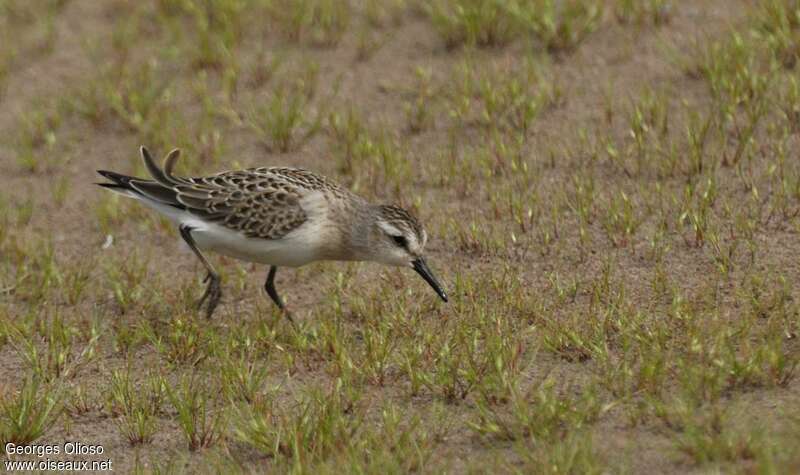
[[277, 216]]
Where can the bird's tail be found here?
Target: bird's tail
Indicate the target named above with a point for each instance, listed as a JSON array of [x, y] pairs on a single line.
[[161, 189]]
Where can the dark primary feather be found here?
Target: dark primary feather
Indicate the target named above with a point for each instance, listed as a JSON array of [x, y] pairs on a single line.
[[152, 167], [156, 191], [119, 180], [147, 188]]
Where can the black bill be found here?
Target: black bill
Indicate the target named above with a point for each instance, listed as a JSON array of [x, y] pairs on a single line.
[[422, 269]]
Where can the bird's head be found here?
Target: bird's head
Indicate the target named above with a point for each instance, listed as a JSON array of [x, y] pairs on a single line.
[[398, 239]]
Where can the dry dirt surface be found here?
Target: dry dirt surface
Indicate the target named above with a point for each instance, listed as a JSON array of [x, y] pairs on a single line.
[[611, 189]]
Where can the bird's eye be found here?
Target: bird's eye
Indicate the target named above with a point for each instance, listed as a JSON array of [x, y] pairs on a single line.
[[400, 241]]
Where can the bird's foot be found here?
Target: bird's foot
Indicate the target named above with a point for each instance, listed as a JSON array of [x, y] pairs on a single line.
[[213, 294], [288, 315]]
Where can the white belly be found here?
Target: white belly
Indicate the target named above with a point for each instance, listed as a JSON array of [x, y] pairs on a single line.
[[297, 248], [278, 252]]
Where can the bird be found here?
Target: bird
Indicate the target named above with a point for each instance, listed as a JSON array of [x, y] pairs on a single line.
[[277, 216]]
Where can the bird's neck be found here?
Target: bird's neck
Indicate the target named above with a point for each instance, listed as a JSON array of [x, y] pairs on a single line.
[[356, 229]]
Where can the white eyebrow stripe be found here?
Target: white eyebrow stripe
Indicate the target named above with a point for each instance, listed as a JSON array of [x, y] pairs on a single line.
[[389, 229]]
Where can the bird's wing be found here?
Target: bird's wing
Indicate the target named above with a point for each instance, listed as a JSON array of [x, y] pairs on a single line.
[[258, 202]]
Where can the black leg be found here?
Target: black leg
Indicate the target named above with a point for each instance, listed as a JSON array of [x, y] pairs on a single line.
[[213, 291], [269, 286]]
